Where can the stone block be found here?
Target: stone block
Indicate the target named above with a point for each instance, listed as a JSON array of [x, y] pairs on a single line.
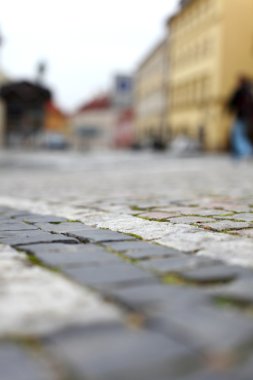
[[108, 275], [141, 249], [61, 255], [17, 364], [32, 237], [174, 264], [119, 353], [99, 236]]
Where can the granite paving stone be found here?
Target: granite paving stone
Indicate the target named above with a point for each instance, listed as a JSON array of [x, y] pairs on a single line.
[[152, 296], [174, 264], [211, 328], [240, 290], [61, 255], [140, 249], [246, 217], [14, 226], [99, 236], [245, 233], [61, 227], [170, 297], [225, 225], [157, 215], [223, 374], [34, 300], [114, 275], [124, 354], [32, 237], [18, 364], [214, 273], [190, 219], [245, 370], [37, 218]]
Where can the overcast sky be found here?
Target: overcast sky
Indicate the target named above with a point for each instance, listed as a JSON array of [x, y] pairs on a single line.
[[84, 42]]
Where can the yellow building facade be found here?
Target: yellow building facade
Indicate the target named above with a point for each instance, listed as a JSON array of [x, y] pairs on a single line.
[[150, 94], [210, 44]]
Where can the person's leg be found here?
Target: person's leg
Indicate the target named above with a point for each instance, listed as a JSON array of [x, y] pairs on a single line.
[[241, 145]]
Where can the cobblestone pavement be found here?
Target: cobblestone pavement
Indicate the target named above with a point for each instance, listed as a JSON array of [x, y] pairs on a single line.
[[125, 266]]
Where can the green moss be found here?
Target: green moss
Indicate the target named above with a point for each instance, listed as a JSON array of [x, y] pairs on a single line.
[[34, 260], [138, 208], [31, 342], [234, 303], [162, 220], [120, 254], [135, 236], [174, 278]]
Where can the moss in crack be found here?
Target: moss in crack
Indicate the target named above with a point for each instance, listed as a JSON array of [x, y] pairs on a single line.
[[138, 208], [174, 278], [135, 236], [34, 260], [239, 304], [211, 229], [30, 342], [35, 348], [120, 254], [162, 220]]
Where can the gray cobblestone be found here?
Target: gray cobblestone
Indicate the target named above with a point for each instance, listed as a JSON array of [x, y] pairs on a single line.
[[33, 218], [140, 249], [98, 236], [148, 297], [115, 275], [174, 264], [118, 353], [214, 273], [7, 226], [32, 237], [61, 255], [18, 364], [207, 308], [62, 227], [211, 329]]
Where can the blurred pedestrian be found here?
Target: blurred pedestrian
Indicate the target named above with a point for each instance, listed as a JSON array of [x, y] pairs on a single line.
[[241, 104]]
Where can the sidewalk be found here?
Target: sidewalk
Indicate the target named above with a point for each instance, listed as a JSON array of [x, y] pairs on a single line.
[[126, 267]]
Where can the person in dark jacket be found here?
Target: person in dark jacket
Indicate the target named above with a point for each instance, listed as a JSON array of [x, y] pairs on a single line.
[[241, 104]]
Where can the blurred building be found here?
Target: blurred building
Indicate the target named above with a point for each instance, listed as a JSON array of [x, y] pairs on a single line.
[[106, 120], [93, 123], [150, 95], [210, 47], [24, 104], [124, 135], [3, 80], [57, 127]]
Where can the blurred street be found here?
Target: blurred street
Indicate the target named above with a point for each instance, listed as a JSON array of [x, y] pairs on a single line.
[[152, 266]]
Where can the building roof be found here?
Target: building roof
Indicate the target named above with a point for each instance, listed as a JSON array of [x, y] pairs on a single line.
[[25, 92], [100, 102], [53, 108]]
